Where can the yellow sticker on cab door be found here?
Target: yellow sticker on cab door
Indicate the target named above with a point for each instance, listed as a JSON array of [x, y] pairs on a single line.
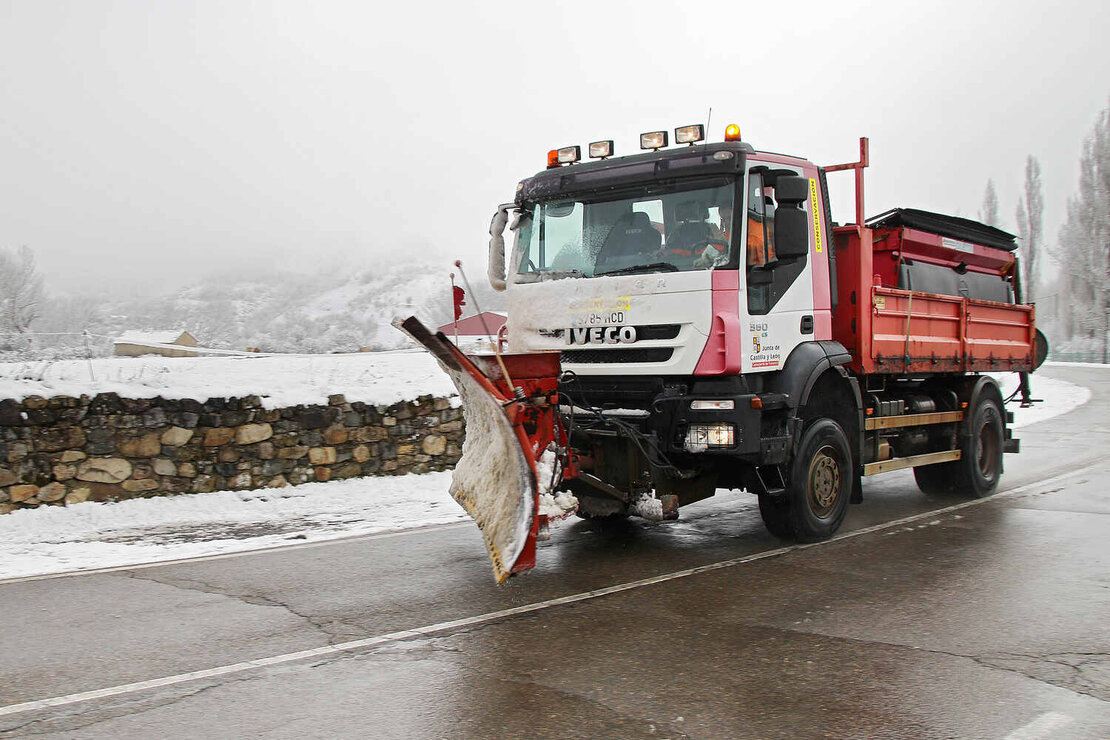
[[816, 214]]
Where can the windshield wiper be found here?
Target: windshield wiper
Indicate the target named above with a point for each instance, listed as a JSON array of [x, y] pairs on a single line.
[[664, 266]]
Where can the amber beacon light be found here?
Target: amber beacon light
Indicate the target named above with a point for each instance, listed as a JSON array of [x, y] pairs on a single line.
[[732, 132]]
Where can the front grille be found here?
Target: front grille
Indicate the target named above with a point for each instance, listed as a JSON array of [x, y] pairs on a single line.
[[657, 331], [609, 356], [648, 331], [635, 393]]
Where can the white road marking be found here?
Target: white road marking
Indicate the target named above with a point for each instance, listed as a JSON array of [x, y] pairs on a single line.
[[1043, 726], [433, 629]]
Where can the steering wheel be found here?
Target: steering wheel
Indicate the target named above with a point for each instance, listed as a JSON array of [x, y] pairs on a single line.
[[715, 260]]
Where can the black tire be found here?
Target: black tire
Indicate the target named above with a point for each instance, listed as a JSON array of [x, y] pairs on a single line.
[[977, 472], [816, 498], [776, 516], [980, 467], [934, 480]]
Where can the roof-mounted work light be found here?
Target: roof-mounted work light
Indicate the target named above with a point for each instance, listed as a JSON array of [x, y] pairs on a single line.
[[653, 140], [601, 149], [689, 134], [732, 133], [570, 154], [566, 155]]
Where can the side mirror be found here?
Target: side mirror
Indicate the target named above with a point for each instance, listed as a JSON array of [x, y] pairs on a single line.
[[792, 189], [791, 232], [495, 269], [791, 221]]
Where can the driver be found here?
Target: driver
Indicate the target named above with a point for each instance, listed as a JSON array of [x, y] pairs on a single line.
[[695, 235], [725, 212], [716, 252]]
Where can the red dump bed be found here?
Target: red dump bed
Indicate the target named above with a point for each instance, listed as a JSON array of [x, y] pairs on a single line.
[[890, 326]]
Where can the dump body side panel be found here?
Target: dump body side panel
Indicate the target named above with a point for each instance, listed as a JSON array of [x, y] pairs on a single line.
[[915, 332], [890, 330]]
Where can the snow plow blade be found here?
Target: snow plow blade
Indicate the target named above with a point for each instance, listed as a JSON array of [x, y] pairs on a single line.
[[509, 457]]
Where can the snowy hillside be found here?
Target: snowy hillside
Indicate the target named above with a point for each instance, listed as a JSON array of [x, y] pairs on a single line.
[[325, 312], [338, 309]]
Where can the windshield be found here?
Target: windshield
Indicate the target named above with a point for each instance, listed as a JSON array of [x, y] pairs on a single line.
[[649, 229]]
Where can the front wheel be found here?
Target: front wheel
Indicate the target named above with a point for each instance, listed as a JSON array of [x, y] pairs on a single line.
[[815, 501]]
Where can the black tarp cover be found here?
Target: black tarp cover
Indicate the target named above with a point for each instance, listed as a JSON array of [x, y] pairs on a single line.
[[951, 226]]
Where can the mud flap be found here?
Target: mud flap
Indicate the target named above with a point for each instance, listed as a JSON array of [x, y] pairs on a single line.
[[507, 456]]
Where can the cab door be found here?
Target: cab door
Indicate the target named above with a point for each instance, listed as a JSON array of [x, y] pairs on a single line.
[[779, 288]]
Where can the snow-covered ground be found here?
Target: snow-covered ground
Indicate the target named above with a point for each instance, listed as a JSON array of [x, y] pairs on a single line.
[[370, 377], [53, 539], [96, 535], [1058, 397]]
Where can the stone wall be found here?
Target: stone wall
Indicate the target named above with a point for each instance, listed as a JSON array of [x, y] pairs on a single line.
[[67, 450]]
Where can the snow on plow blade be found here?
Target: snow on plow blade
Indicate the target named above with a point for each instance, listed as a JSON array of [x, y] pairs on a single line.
[[500, 477]]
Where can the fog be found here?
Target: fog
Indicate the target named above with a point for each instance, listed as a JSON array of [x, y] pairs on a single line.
[[145, 145]]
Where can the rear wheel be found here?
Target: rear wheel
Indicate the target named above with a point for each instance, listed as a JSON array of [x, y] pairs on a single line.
[[815, 501], [935, 480], [977, 472], [983, 450]]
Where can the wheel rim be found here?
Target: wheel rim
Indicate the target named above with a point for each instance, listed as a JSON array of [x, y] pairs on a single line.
[[824, 481], [987, 450]]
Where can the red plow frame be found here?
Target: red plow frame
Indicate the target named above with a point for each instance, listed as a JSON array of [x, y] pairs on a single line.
[[518, 396]]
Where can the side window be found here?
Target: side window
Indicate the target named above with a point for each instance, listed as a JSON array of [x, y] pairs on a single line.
[[769, 206], [757, 233], [768, 276], [758, 277]]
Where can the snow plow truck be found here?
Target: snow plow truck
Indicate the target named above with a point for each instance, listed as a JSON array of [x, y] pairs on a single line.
[[690, 318]]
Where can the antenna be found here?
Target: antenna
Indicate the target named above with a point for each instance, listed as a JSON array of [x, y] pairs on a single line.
[[708, 118]]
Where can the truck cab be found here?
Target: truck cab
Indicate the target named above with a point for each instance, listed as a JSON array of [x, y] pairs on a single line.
[[666, 263], [675, 285]]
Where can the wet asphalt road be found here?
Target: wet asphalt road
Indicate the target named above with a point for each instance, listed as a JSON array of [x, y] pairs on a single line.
[[989, 621]]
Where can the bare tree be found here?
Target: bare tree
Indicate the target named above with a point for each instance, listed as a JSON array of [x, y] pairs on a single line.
[[20, 290], [989, 213], [1030, 220], [1085, 241]]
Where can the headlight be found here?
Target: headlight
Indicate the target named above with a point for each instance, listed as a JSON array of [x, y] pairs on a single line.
[[700, 437]]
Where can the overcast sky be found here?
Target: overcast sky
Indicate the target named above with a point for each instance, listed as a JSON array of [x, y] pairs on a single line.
[[147, 144]]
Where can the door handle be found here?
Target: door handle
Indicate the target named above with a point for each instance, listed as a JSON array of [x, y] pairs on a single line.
[[807, 325]]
